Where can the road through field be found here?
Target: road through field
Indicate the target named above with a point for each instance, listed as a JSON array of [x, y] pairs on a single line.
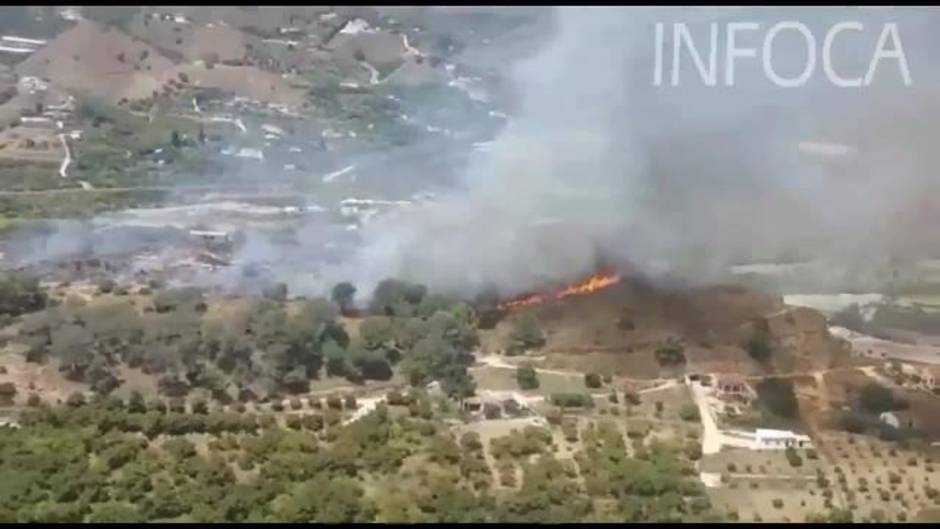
[[711, 436]]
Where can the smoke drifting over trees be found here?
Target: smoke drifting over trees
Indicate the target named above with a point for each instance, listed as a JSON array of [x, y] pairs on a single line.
[[597, 159], [597, 163]]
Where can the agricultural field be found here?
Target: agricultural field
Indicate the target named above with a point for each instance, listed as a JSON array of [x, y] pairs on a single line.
[[350, 264]]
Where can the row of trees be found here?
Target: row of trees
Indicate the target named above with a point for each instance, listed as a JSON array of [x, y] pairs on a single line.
[[259, 345], [873, 400], [176, 342], [75, 465], [98, 461], [88, 470], [20, 294]]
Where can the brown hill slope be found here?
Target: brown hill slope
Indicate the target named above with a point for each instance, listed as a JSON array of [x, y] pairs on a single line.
[[190, 41], [618, 330], [246, 81], [103, 61]]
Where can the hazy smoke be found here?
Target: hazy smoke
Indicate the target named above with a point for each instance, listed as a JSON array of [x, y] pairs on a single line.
[[597, 163], [690, 177]]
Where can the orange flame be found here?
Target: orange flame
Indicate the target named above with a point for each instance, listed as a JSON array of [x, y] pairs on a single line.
[[592, 283]]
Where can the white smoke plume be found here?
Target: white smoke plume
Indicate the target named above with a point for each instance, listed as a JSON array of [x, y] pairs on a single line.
[[598, 164], [598, 160]]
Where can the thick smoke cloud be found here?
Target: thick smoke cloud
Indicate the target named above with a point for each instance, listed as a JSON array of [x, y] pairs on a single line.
[[599, 162]]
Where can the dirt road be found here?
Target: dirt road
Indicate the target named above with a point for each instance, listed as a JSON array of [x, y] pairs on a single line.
[[501, 362], [63, 169], [366, 406], [711, 436]]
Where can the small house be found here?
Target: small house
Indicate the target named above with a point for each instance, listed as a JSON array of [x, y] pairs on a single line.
[[733, 387], [472, 405], [214, 237], [930, 377], [777, 439], [899, 419]]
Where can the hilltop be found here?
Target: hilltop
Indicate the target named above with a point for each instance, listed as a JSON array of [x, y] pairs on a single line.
[[620, 328], [101, 61], [104, 62]]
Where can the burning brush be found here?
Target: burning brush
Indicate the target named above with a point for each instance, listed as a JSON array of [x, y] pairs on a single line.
[[591, 283]]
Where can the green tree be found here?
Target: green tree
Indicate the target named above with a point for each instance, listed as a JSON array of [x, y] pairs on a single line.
[[457, 382], [112, 512], [377, 332], [179, 298], [294, 422], [777, 397], [526, 334], [75, 399], [53, 512], [455, 327], [337, 364], [689, 412], [670, 353], [794, 459], [325, 500], [434, 357], [73, 345], [200, 406], [592, 380], [7, 392], [571, 400], [393, 297], [136, 403], [876, 398], [20, 293], [759, 346], [368, 364], [164, 502], [276, 292], [526, 377], [342, 294], [179, 448], [106, 286]]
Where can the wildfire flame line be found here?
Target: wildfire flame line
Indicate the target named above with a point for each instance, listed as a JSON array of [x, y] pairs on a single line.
[[592, 283]]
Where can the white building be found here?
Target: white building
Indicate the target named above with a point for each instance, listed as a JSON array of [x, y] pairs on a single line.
[[889, 418], [778, 439], [11, 44], [16, 49], [246, 152], [900, 419], [37, 122], [356, 26], [272, 129], [23, 41], [32, 85], [212, 237], [70, 13]]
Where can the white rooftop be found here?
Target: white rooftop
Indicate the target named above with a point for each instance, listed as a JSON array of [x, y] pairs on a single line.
[[208, 233], [764, 433]]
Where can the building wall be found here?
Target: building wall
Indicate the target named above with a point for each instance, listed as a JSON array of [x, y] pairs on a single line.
[[783, 442]]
